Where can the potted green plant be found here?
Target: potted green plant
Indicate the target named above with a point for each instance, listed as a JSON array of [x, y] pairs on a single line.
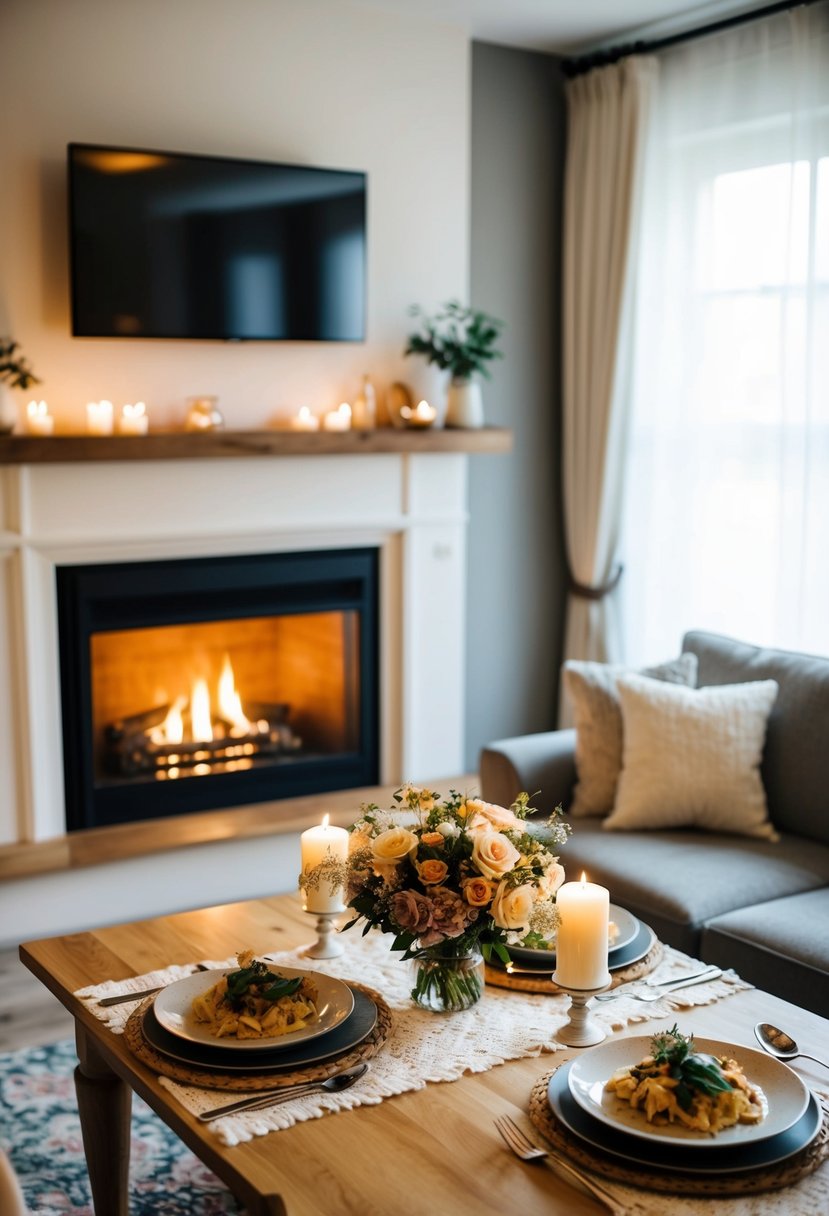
[[462, 341], [15, 372]]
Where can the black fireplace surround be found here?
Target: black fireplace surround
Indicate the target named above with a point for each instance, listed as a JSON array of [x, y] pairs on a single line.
[[138, 595]]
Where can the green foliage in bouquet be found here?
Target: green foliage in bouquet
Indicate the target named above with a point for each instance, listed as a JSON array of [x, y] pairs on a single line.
[[458, 339], [14, 369]]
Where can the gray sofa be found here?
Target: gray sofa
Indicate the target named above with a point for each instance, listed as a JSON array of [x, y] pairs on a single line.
[[758, 906]]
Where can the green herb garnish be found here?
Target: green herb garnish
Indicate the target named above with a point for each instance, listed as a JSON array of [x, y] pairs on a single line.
[[260, 976], [695, 1071]]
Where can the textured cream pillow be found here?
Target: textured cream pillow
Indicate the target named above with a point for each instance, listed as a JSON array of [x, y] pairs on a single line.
[[597, 716], [692, 757]]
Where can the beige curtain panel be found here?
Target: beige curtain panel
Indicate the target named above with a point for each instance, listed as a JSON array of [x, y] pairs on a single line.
[[607, 120]]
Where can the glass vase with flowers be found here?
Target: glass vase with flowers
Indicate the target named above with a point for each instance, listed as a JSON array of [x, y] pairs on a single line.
[[455, 880]]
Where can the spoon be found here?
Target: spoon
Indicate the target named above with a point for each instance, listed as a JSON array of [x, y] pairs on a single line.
[[778, 1043], [272, 1097]]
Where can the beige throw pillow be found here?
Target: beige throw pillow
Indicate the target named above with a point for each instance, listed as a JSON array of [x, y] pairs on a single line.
[[692, 757], [597, 716]]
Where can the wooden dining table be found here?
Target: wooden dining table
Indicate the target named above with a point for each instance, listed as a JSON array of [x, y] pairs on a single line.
[[432, 1150]]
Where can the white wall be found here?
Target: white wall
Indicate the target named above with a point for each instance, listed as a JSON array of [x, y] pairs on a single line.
[[320, 82]]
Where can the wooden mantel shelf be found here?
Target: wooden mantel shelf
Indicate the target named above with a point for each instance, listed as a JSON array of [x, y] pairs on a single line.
[[187, 445]]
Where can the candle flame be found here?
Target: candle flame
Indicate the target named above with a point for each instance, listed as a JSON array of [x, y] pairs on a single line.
[[325, 819], [583, 877]]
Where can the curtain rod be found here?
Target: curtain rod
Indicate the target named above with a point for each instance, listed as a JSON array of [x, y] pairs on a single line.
[[577, 65]]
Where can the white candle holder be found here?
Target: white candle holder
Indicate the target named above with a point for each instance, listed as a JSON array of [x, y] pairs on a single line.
[[327, 944], [580, 1030]]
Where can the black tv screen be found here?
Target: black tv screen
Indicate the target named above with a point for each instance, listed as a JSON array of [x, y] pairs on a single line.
[[165, 245]]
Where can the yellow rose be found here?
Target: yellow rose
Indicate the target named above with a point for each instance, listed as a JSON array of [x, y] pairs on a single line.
[[432, 871], [511, 908], [469, 807], [494, 855], [478, 892]]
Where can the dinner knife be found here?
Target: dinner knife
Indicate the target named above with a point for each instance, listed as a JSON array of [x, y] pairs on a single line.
[[124, 997]]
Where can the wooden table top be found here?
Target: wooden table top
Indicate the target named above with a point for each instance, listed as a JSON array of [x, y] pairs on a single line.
[[434, 1150]]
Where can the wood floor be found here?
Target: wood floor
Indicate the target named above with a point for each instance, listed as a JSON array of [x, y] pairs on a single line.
[[29, 1015]]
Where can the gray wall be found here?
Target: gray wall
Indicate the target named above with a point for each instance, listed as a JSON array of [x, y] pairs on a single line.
[[516, 565]]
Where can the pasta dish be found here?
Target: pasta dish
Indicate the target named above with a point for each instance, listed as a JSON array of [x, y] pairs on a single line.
[[675, 1084], [255, 1002]]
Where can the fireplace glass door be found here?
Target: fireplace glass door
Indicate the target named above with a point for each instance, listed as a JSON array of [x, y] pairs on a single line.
[[216, 682]]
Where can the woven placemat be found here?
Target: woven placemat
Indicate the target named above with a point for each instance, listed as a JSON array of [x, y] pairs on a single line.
[[191, 1074], [754, 1182], [500, 978]]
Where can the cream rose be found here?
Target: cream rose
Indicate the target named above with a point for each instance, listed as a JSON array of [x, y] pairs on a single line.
[[393, 846], [552, 879], [493, 854], [511, 908]]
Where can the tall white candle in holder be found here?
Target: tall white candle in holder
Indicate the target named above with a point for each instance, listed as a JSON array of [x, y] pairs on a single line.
[[582, 934], [99, 418], [324, 843]]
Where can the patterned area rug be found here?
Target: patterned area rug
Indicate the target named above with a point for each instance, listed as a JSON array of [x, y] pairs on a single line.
[[40, 1132]]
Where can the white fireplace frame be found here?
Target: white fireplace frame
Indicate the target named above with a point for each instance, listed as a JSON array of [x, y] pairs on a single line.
[[412, 506]]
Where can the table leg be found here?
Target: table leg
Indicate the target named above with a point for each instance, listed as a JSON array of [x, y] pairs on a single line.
[[105, 1108]]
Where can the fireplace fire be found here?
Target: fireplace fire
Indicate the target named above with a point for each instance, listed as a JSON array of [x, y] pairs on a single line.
[[192, 738]]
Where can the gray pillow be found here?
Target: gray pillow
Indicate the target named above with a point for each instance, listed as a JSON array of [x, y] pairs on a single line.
[[597, 714]]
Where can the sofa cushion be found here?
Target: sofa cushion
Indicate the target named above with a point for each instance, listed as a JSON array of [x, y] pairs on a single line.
[[795, 767], [678, 880], [597, 714], [691, 757], [771, 945]]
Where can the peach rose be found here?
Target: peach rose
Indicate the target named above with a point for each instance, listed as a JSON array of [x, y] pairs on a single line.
[[493, 854], [488, 817], [511, 907], [552, 879], [432, 871], [435, 840], [478, 892]]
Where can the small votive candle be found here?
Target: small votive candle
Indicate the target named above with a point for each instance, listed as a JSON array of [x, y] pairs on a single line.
[[321, 844], [422, 416], [582, 935], [338, 419], [133, 420], [305, 420], [99, 418], [38, 419]]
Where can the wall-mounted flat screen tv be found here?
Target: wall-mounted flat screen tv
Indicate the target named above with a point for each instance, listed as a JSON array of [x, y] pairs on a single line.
[[165, 245]]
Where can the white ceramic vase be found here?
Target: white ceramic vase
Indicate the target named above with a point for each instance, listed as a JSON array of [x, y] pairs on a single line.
[[464, 404]]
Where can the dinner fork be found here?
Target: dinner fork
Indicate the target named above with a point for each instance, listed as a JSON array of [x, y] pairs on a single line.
[[524, 1148], [657, 991]]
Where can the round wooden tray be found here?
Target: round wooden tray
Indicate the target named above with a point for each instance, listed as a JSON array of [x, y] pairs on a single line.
[[544, 984], [191, 1074], [764, 1178]]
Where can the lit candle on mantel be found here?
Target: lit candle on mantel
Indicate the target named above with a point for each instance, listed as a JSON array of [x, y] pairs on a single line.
[[99, 418], [38, 419], [338, 419], [133, 420], [305, 420], [319, 844], [581, 937], [424, 415]]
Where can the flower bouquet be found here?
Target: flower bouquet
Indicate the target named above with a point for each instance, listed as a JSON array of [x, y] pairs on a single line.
[[455, 881]]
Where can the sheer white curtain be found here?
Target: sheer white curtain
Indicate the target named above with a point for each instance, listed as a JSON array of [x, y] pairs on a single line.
[[607, 120], [726, 516]]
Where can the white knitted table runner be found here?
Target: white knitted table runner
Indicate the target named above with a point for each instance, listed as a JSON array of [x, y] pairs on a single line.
[[422, 1046]]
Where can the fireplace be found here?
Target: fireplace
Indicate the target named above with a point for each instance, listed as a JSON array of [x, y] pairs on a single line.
[[189, 685]]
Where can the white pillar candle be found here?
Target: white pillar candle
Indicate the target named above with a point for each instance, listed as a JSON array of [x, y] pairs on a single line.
[[581, 937], [133, 420], [338, 419], [324, 843], [38, 419], [99, 418], [305, 420]]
